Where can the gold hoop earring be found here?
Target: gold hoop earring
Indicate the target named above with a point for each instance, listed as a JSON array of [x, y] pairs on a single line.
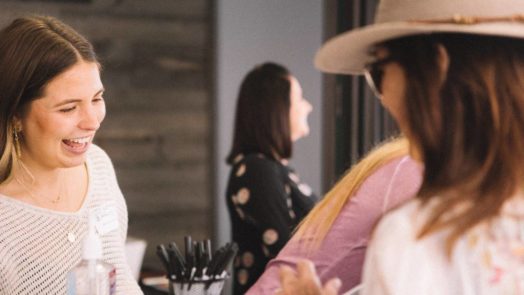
[[18, 151]]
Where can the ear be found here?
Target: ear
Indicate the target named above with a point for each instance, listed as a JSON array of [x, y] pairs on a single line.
[[443, 60]]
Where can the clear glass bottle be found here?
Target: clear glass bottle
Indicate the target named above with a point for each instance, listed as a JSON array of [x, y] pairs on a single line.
[[92, 276]]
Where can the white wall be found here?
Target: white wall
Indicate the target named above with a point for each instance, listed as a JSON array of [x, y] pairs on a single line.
[[249, 32]]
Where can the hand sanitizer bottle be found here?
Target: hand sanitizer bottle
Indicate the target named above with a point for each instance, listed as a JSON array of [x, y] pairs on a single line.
[[92, 276]]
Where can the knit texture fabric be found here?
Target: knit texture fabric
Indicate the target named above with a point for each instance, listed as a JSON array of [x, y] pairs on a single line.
[[38, 247]]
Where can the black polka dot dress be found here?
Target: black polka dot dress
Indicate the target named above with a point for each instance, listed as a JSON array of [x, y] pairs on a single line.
[[265, 200]]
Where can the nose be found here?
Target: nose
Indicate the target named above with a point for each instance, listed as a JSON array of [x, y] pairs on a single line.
[[90, 119], [309, 107]]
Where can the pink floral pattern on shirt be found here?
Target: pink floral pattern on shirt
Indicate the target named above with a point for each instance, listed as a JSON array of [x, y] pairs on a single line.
[[498, 251]]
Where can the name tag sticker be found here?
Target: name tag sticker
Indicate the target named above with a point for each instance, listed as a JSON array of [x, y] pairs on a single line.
[[106, 219]]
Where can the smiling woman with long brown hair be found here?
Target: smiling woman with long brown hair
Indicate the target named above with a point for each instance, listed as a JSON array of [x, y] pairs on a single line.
[[51, 175]]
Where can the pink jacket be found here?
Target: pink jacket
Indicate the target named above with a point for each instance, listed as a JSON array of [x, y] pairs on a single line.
[[342, 252]]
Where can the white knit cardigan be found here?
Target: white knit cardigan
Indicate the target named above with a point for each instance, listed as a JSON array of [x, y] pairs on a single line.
[[38, 247]]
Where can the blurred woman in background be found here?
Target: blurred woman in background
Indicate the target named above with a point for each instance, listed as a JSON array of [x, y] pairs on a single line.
[[265, 197]]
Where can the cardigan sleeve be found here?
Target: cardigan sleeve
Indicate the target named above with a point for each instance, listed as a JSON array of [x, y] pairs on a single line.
[[341, 254]]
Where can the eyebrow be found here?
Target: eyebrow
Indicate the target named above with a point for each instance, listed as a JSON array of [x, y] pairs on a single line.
[[76, 99]]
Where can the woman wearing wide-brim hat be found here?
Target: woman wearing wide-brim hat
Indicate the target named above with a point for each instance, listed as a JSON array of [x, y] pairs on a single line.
[[451, 72]]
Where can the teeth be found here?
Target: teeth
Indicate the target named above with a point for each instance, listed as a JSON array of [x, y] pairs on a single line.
[[80, 140]]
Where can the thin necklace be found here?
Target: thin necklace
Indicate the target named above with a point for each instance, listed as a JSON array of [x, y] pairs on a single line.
[[30, 192], [34, 197]]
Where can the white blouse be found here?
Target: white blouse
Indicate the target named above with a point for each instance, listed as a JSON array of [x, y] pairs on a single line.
[[488, 259]]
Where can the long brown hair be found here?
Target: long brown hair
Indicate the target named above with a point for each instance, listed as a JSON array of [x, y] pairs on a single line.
[[262, 114], [315, 226], [33, 50], [468, 128]]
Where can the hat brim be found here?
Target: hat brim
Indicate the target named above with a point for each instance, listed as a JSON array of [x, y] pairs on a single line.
[[349, 53]]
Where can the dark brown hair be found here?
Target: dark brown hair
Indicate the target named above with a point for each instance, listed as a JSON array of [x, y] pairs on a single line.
[[468, 125], [262, 114], [33, 50]]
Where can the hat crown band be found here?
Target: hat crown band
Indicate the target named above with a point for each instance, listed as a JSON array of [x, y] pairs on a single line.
[[407, 10]]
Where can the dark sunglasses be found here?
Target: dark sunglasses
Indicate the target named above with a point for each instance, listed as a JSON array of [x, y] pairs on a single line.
[[374, 73]]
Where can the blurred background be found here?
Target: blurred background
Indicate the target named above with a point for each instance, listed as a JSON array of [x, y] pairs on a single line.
[[172, 69]]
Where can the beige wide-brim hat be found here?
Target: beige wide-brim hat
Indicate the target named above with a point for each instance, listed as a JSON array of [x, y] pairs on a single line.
[[348, 53]]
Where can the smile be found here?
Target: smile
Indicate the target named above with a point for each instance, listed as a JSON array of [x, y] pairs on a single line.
[[80, 140], [77, 145]]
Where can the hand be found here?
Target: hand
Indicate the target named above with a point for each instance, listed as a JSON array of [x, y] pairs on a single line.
[[305, 281]]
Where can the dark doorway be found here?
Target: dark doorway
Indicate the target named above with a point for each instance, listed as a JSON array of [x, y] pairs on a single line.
[[354, 119]]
